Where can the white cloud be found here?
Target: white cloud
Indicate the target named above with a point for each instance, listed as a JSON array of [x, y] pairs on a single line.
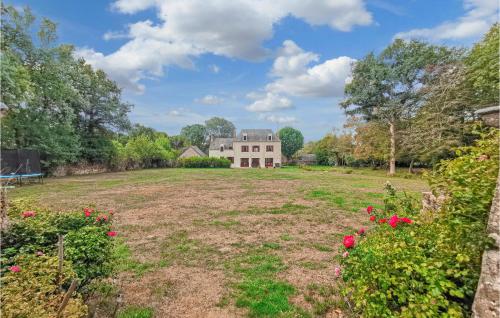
[[294, 76], [269, 102], [214, 68], [210, 100], [234, 29], [174, 113], [113, 35], [279, 119], [478, 18]]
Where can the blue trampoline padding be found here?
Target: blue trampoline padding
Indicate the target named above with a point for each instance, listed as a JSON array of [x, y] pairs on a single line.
[[11, 176], [31, 175]]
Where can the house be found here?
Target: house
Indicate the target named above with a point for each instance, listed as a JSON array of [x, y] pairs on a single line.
[[256, 148], [192, 151]]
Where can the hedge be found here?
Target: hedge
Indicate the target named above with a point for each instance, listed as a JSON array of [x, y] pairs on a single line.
[[204, 162]]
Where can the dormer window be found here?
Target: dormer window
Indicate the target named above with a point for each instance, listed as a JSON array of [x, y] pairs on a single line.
[[269, 137], [245, 138], [221, 148]]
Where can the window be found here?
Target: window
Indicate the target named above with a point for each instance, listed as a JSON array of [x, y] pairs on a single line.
[[269, 162], [269, 148], [231, 159], [244, 162], [221, 148], [269, 137], [244, 137], [255, 148], [244, 148]]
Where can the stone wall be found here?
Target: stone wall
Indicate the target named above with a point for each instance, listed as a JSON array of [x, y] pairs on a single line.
[[79, 169], [487, 298]]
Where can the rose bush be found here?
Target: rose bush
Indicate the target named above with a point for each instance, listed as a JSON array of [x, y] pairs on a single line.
[[29, 258], [426, 265]]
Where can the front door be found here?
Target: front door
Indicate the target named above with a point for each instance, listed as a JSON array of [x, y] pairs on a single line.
[[269, 162], [255, 162]]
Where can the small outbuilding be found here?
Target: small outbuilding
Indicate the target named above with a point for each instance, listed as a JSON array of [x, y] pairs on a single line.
[[192, 151], [308, 159]]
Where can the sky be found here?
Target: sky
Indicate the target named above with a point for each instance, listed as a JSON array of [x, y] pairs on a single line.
[[257, 63]]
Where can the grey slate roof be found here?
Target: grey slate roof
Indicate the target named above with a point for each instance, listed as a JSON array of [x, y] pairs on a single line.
[[227, 142], [197, 150], [256, 135], [252, 135]]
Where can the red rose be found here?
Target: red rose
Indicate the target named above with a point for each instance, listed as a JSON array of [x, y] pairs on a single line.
[[369, 209], [406, 220], [87, 213], [112, 233], [382, 220], [372, 218], [361, 231], [349, 241], [393, 221]]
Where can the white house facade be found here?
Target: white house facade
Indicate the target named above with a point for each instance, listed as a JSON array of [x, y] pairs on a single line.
[[251, 148]]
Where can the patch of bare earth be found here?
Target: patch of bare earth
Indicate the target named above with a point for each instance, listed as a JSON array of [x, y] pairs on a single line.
[[218, 217]]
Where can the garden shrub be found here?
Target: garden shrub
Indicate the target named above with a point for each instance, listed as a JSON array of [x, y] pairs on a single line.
[[88, 243], [430, 266], [40, 231], [90, 251], [32, 290], [204, 162]]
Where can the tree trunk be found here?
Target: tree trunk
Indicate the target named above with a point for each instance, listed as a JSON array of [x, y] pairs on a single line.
[[410, 169], [392, 158]]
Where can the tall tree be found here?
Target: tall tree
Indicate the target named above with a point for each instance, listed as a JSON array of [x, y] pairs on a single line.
[[220, 127], [57, 104], [482, 68], [291, 141], [196, 135], [387, 87]]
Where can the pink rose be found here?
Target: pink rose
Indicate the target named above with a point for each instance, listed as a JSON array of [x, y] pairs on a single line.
[[337, 271], [15, 269], [345, 254], [28, 214]]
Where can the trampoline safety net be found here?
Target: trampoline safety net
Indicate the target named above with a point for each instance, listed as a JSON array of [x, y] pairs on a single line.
[[19, 161]]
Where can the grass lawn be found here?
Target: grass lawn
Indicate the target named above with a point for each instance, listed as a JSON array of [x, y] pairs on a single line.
[[227, 242]]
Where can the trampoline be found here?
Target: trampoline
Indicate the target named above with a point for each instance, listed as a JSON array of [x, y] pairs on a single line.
[[20, 165]]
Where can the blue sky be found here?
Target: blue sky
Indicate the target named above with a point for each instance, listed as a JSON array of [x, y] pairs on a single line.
[[260, 64]]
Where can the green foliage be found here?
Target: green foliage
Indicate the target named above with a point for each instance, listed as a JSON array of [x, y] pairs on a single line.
[[57, 104], [204, 162], [219, 127], [196, 135], [34, 289], [145, 150], [469, 180], [39, 233], [259, 290], [431, 267], [291, 141], [334, 150], [136, 312], [482, 68], [89, 249]]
